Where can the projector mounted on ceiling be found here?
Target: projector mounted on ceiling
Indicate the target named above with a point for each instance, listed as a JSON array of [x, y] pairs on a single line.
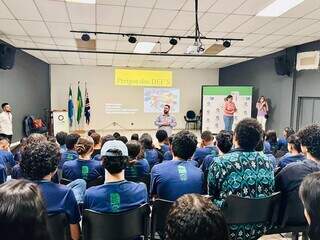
[[196, 48]]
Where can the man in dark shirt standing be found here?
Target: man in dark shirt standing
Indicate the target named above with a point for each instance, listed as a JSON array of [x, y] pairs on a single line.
[[290, 178]]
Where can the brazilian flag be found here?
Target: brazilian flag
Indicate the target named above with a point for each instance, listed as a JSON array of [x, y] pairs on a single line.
[[70, 107], [79, 104]]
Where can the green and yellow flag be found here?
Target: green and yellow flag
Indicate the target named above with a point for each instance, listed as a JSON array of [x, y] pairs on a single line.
[[79, 104]]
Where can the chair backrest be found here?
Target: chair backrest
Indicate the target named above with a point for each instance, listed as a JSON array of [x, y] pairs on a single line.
[[64, 181], [160, 210], [191, 114], [240, 210], [291, 210], [95, 182], [58, 227], [116, 226]]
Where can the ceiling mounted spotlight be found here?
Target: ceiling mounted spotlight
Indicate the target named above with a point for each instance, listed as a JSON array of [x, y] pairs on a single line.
[[226, 43], [85, 37], [132, 39], [173, 41]]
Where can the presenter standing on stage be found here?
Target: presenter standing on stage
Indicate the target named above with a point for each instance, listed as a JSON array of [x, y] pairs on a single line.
[[228, 113], [263, 108], [6, 121], [166, 121]]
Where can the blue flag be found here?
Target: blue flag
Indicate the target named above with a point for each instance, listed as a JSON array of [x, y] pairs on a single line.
[[70, 107], [87, 108]]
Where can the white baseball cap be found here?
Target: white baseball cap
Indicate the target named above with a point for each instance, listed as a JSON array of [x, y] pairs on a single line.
[[114, 145]]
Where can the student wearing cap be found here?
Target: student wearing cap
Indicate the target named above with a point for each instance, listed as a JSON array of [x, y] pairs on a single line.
[[117, 194]]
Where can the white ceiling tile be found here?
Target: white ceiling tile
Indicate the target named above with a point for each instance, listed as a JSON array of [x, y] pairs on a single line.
[[4, 12], [26, 11], [112, 2], [11, 27], [6, 39], [83, 27], [109, 15], [230, 51], [60, 29], [72, 61], [265, 41], [44, 40], [308, 31], [53, 11], [170, 4], [69, 55], [106, 45], [253, 24], [49, 54], [88, 55], [141, 3], [135, 17], [21, 41], [302, 9], [125, 46], [183, 21], [33, 28], [89, 62], [209, 21], [177, 64], [252, 7], [104, 62], [235, 35], [296, 26], [285, 42], [204, 5], [226, 6], [215, 34], [161, 18], [231, 23], [314, 15], [104, 28], [82, 13], [65, 42], [274, 25], [249, 40], [58, 60], [104, 56]]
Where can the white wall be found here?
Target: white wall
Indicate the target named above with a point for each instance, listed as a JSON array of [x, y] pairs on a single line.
[[101, 88]]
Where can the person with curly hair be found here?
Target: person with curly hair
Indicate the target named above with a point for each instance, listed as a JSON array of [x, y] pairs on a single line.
[[193, 216], [243, 172], [22, 211], [172, 179], [39, 162], [290, 177], [117, 194], [83, 167]]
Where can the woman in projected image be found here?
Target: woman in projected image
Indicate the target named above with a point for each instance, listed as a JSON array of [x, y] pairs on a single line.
[[263, 109], [228, 113]]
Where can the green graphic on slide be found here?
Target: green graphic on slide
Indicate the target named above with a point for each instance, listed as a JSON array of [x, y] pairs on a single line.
[[217, 90]]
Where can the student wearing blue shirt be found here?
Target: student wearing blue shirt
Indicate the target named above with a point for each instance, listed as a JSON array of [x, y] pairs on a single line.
[[84, 167], [150, 153], [162, 137], [206, 148], [61, 140], [137, 166], [39, 163], [224, 144], [168, 155], [172, 179], [294, 154], [5, 154], [71, 153], [97, 144], [3, 173], [117, 194]]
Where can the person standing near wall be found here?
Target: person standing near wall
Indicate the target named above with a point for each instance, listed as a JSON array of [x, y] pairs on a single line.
[[263, 108], [166, 121], [6, 121], [228, 113]]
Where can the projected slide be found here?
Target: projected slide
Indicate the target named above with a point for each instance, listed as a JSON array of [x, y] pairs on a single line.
[[156, 98], [213, 102]]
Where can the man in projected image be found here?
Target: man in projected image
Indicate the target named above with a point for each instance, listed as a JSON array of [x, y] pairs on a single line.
[[166, 121]]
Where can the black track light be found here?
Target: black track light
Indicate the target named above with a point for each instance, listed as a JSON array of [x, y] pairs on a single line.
[[173, 41], [85, 37], [226, 43], [132, 39]]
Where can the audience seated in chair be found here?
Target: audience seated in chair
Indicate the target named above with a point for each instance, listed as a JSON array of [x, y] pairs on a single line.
[[135, 136], [150, 152], [310, 196], [61, 140], [269, 155], [172, 179], [22, 211], [104, 139], [117, 194], [168, 155], [6, 156], [294, 152], [242, 172], [192, 217], [84, 167], [206, 148], [271, 138], [71, 153], [224, 145], [137, 167], [162, 137], [91, 131], [39, 163], [290, 177], [97, 144], [283, 141]]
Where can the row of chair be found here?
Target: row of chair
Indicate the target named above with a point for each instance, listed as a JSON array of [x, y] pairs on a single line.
[[136, 222]]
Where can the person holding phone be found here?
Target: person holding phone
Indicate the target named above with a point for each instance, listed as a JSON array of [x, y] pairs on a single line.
[[263, 109]]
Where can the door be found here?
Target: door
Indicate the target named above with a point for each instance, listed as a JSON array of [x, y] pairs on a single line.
[[308, 111]]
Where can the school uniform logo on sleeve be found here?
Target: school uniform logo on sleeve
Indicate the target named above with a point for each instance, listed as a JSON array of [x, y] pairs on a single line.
[[85, 172], [182, 173], [115, 202]]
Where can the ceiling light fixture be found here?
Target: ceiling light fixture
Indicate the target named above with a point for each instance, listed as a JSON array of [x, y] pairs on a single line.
[[132, 39], [227, 43], [85, 37], [82, 1], [144, 47], [173, 41], [278, 7]]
